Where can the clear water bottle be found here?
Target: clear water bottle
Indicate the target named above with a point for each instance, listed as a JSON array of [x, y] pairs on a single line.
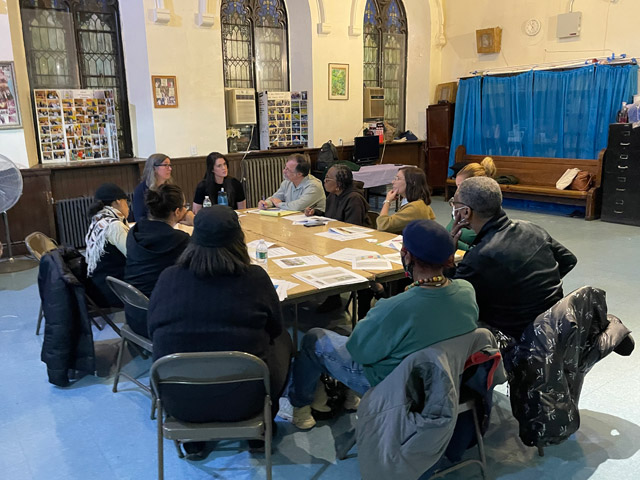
[[207, 202], [222, 198], [262, 254]]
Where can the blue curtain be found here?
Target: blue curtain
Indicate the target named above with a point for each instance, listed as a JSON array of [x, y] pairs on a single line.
[[542, 114], [467, 120], [507, 115]]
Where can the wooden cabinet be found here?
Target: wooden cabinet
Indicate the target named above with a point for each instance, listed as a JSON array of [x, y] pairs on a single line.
[[439, 132]]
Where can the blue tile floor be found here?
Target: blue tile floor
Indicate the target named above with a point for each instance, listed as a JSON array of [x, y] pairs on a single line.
[[86, 431]]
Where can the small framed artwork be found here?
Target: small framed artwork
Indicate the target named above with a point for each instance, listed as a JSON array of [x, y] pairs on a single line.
[[446, 92], [9, 109], [489, 40], [165, 91], [338, 81]]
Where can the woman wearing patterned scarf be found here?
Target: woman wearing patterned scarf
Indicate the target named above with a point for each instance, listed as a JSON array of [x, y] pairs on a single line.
[[107, 241]]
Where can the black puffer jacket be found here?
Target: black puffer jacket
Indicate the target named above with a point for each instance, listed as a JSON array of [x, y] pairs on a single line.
[[516, 269], [547, 367], [68, 340]]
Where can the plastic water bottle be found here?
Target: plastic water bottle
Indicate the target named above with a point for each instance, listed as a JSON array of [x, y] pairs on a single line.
[[222, 198], [262, 254], [207, 202]]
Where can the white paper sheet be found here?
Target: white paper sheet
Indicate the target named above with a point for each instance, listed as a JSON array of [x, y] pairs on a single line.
[[275, 252], [302, 219], [329, 277], [394, 257], [255, 243], [295, 262], [342, 238], [350, 230], [395, 243], [348, 254], [282, 287], [372, 261]]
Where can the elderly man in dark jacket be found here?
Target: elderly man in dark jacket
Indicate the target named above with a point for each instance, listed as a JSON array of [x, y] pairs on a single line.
[[515, 266]]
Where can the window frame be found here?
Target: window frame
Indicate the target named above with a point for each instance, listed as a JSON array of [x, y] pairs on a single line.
[[73, 8]]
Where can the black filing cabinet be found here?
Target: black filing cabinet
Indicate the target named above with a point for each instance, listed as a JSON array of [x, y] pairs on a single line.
[[621, 176]]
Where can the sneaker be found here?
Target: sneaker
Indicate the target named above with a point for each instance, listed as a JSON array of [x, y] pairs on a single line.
[[320, 398], [286, 409], [302, 418], [352, 400]]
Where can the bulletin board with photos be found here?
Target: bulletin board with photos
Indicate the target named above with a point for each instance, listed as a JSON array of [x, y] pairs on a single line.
[[76, 125], [284, 119]]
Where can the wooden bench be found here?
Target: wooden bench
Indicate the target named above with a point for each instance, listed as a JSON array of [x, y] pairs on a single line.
[[538, 177]]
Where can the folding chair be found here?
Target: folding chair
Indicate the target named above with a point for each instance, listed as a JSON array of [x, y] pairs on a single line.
[[38, 244], [130, 295], [173, 373]]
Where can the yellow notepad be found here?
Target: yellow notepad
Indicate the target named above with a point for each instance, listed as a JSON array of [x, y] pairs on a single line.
[[276, 212]]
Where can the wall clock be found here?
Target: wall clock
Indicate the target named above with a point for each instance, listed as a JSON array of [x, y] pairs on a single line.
[[532, 27]]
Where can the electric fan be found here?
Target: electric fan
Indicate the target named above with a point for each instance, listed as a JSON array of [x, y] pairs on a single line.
[[10, 191]]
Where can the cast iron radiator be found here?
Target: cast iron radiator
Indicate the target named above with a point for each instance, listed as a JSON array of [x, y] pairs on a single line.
[[261, 176], [72, 220]]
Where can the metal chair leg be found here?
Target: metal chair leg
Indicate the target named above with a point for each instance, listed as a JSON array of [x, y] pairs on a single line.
[[40, 315], [483, 459], [540, 451], [123, 344], [180, 452], [160, 443], [268, 434]]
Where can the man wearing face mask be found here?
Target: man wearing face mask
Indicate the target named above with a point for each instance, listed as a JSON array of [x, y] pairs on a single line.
[[515, 266], [432, 309]]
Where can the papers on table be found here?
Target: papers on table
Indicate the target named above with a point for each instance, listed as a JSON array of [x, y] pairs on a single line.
[[295, 262], [276, 212], [342, 234], [275, 252], [255, 243], [303, 219], [394, 257], [282, 287], [329, 277], [350, 230], [348, 254], [395, 243], [372, 261]]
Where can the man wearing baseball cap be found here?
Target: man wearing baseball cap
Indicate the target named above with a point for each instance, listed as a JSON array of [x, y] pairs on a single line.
[[432, 309]]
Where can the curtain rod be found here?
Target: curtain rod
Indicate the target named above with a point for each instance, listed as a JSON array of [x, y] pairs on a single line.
[[612, 60]]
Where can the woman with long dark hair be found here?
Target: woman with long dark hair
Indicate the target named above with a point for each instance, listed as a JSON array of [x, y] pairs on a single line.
[[410, 184], [214, 299], [215, 179], [106, 241], [153, 244]]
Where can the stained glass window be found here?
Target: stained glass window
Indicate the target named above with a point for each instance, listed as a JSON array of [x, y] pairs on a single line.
[[385, 55], [76, 44]]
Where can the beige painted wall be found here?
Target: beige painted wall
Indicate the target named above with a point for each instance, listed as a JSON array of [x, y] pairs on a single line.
[[606, 28]]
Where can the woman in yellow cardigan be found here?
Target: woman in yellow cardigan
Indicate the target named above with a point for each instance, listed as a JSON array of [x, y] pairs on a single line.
[[411, 185]]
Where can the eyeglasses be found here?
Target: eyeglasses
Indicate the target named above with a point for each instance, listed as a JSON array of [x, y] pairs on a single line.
[[166, 165], [329, 179], [453, 203], [396, 178]]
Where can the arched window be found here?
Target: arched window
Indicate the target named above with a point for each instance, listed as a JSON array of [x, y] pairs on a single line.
[[255, 50], [77, 44], [385, 55], [254, 44]]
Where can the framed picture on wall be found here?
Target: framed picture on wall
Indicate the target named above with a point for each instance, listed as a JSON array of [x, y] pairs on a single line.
[[446, 92], [9, 111], [165, 91], [338, 81]]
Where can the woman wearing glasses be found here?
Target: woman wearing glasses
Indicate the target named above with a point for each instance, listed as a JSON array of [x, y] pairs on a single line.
[[410, 184], [484, 169], [157, 171]]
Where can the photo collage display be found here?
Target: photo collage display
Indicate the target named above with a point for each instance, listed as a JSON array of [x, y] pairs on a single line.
[[284, 119], [75, 125]]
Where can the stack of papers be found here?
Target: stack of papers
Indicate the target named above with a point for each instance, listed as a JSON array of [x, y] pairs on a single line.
[[282, 287], [295, 262], [395, 243], [276, 212], [348, 254], [329, 277], [303, 219], [343, 234]]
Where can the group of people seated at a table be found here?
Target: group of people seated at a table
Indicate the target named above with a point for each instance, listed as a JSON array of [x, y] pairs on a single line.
[[206, 296]]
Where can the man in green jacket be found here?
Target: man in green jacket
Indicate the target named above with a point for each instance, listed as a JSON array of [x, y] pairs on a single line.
[[432, 309]]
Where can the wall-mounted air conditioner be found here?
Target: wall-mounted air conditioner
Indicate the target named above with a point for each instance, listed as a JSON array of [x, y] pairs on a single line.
[[241, 106], [373, 102]]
